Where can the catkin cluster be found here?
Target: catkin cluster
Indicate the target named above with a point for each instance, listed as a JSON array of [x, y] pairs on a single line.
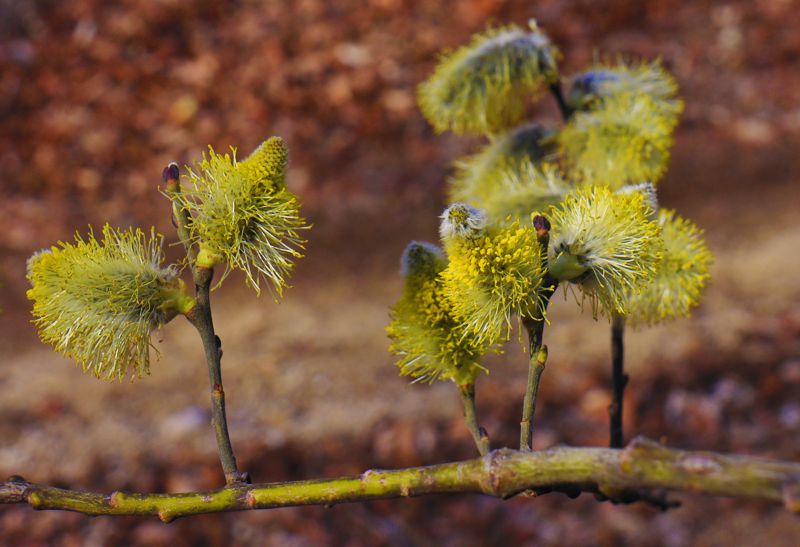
[[99, 301], [594, 179]]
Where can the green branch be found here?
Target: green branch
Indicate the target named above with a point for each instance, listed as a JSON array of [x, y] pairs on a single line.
[[200, 317], [620, 475], [479, 434], [538, 352], [538, 360]]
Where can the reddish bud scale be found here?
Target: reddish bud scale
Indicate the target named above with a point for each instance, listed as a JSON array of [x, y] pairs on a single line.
[[170, 176], [542, 225]]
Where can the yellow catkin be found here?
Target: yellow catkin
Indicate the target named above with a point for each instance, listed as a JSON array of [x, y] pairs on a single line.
[[606, 78], [624, 139], [479, 178], [99, 301], [430, 342], [242, 213], [482, 87], [494, 276], [609, 242], [525, 188], [266, 165], [681, 276]]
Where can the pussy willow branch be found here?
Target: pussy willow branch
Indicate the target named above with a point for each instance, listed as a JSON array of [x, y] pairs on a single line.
[[619, 380], [479, 435], [535, 328], [200, 317], [536, 365], [620, 475]]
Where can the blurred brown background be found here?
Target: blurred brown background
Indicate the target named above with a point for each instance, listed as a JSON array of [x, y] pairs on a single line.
[[96, 97]]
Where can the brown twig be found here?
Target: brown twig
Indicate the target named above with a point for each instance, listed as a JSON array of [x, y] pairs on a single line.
[[619, 380], [200, 317], [558, 95]]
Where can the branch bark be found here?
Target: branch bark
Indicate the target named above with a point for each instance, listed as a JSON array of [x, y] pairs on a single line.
[[479, 434], [535, 328], [536, 365], [626, 475], [200, 317], [619, 380]]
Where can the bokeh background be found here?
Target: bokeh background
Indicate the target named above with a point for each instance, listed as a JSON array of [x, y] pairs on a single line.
[[96, 97]]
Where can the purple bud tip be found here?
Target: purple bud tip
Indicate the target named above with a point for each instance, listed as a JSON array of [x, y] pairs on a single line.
[[541, 223], [171, 172]]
